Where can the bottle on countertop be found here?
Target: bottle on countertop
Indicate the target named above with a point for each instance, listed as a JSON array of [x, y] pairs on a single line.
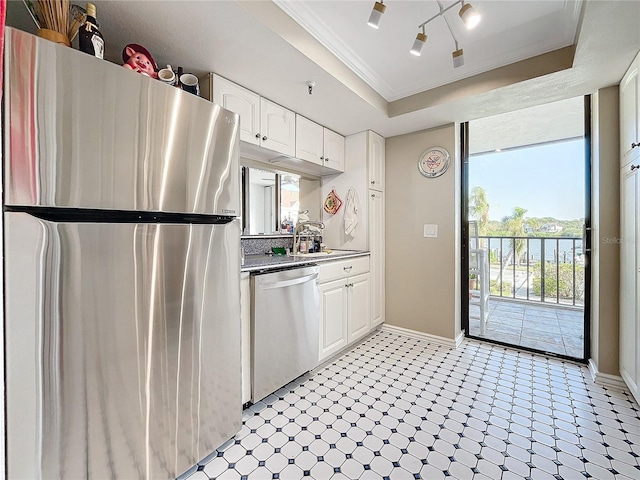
[[89, 37]]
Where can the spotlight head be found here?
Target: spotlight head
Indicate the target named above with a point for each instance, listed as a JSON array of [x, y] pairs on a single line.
[[376, 14], [458, 58], [469, 16], [418, 43]]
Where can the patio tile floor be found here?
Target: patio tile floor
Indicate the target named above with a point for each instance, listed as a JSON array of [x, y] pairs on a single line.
[[545, 327]]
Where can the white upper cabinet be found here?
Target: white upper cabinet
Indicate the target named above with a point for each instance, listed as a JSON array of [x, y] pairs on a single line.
[[630, 114], [333, 150], [309, 140], [262, 122], [241, 101], [319, 145], [277, 128], [375, 158], [282, 137]]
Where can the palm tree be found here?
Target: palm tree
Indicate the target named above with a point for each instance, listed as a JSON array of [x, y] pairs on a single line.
[[534, 224], [515, 225], [479, 208]]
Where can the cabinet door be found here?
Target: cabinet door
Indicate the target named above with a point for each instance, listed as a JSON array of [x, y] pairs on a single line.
[[309, 137], [333, 318], [241, 101], [629, 328], [278, 128], [629, 121], [376, 247], [333, 150], [359, 316], [375, 152]]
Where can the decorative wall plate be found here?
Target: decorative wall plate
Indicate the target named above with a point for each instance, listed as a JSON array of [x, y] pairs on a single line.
[[433, 162], [332, 203]]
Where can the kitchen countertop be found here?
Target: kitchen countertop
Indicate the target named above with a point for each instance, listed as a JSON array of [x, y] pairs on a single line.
[[254, 263]]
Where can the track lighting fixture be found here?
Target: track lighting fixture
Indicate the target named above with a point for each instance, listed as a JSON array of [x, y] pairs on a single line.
[[418, 43], [376, 14], [458, 58], [467, 13], [469, 16]]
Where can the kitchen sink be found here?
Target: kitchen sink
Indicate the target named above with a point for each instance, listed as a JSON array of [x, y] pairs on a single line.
[[325, 254]]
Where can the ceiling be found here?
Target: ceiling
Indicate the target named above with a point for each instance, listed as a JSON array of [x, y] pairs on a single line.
[[509, 32], [366, 79]]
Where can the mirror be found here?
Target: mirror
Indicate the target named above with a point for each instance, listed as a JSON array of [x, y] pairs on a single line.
[[271, 200], [262, 204]]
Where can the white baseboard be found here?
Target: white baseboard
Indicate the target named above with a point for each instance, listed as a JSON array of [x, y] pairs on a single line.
[[605, 379], [447, 342]]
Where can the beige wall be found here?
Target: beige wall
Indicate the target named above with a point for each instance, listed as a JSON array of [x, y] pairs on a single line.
[[422, 274], [605, 221]]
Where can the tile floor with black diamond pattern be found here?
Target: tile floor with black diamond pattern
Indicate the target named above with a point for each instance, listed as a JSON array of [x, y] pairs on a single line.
[[397, 407]]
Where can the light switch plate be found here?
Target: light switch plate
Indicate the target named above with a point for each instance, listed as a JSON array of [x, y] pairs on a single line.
[[430, 231]]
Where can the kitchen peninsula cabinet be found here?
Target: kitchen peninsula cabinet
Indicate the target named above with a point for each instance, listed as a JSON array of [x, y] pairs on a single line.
[[630, 230], [262, 122], [345, 291]]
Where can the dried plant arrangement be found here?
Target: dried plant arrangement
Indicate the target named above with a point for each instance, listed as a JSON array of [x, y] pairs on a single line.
[[57, 20]]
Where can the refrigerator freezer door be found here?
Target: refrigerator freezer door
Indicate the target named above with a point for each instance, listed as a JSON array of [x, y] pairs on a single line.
[[85, 133], [122, 347]]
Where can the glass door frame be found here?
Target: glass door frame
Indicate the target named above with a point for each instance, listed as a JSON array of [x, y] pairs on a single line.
[[587, 240]]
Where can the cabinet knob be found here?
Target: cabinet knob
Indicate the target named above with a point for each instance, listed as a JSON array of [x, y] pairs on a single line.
[[321, 158], [257, 135], [634, 145], [373, 182], [326, 159], [633, 167], [373, 195], [264, 138]]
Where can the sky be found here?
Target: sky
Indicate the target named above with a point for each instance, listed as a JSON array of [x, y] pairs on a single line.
[[547, 180]]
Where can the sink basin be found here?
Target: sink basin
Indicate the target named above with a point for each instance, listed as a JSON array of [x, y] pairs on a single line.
[[325, 254]]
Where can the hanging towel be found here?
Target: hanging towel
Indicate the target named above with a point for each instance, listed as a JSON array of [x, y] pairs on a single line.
[[351, 210]]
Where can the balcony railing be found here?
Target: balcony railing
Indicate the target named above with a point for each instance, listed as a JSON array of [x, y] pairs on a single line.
[[544, 269]]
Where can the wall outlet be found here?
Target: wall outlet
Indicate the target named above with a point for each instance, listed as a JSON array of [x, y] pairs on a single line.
[[430, 231]]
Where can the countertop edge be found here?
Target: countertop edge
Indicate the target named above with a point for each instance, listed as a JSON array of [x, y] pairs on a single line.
[[292, 263]]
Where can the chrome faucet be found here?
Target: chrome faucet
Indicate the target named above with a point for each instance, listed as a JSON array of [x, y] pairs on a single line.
[[296, 234]]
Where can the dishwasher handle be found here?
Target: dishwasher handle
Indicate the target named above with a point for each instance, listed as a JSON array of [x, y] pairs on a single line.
[[288, 283]]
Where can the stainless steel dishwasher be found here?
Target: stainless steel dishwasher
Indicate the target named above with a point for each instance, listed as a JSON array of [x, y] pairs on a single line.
[[285, 326]]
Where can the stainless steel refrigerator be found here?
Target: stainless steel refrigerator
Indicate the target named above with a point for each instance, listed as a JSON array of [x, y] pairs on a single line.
[[122, 258]]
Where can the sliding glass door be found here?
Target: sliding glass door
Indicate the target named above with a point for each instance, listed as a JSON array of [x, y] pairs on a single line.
[[526, 199]]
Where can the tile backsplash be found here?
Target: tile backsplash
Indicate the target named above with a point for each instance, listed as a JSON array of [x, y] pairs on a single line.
[[259, 245]]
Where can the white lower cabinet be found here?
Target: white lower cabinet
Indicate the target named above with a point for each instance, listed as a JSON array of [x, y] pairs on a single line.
[[345, 304], [359, 313], [333, 318]]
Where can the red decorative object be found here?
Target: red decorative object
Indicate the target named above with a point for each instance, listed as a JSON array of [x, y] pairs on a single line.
[[138, 59], [332, 203]]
